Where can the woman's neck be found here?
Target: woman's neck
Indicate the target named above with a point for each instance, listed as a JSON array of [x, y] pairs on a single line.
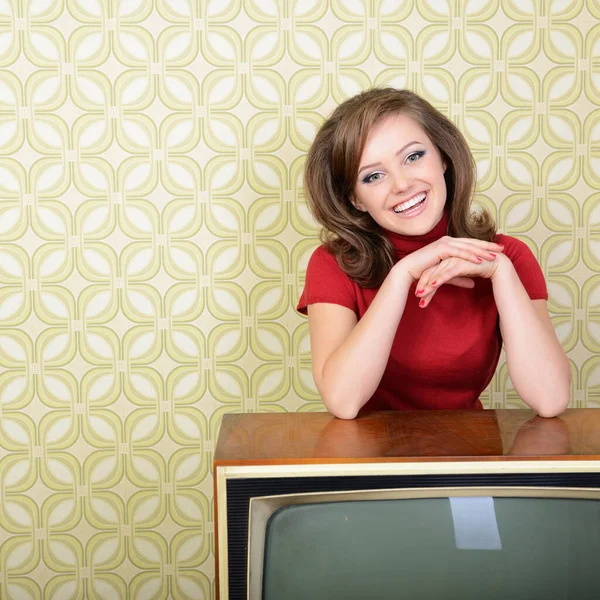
[[405, 244]]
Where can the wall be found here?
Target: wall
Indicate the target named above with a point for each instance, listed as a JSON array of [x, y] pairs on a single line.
[[153, 236]]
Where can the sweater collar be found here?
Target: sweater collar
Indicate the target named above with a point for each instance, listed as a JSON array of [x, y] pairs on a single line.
[[405, 244]]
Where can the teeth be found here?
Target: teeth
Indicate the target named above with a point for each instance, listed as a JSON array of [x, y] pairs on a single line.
[[410, 203]]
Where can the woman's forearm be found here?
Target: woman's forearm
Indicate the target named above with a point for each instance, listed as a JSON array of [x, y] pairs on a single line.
[[353, 371], [537, 364]]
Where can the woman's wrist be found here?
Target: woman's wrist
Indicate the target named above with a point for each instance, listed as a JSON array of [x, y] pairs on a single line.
[[401, 276], [504, 269]]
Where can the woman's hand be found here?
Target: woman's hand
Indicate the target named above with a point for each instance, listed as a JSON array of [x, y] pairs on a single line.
[[470, 251], [452, 268]]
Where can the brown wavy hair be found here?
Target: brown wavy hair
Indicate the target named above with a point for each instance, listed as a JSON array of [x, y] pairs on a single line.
[[358, 243]]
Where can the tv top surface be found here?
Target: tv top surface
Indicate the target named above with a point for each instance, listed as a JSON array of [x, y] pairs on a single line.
[[390, 436]]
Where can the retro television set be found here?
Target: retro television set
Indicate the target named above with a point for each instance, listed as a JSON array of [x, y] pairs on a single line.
[[448, 504]]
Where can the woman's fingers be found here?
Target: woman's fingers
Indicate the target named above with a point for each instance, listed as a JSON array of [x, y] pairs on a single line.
[[475, 251], [462, 282], [424, 280], [425, 300], [431, 276], [451, 269], [491, 246], [434, 277]]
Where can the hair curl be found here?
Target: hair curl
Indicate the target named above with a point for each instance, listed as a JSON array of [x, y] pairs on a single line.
[[358, 243]]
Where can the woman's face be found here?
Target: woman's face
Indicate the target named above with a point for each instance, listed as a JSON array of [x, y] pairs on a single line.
[[400, 180]]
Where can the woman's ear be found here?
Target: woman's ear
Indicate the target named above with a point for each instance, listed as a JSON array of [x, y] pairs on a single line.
[[357, 204]]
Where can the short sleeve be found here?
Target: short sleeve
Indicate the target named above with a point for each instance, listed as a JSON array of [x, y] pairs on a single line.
[[326, 282], [526, 266]]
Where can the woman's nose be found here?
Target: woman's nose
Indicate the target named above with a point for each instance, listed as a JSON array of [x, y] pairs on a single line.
[[399, 181]]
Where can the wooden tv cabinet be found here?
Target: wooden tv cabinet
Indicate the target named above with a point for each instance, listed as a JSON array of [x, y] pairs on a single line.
[[476, 444]]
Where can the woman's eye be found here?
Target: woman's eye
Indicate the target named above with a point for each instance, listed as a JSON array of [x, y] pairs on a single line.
[[414, 156], [372, 177]]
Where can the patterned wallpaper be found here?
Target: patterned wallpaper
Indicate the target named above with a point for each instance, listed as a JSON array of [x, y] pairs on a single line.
[[154, 234]]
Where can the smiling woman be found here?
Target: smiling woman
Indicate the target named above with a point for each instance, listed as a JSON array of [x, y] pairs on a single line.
[[391, 179]]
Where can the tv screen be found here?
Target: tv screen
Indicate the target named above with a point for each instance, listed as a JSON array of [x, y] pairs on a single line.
[[389, 544]]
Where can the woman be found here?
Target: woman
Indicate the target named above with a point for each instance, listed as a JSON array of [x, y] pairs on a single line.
[[411, 295]]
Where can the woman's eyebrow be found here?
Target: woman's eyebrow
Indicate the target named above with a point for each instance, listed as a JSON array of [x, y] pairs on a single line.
[[378, 163]]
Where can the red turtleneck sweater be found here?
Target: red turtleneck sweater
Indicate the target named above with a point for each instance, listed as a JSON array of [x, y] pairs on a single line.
[[443, 356]]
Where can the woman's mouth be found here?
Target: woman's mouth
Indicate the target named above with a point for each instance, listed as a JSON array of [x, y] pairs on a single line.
[[411, 206]]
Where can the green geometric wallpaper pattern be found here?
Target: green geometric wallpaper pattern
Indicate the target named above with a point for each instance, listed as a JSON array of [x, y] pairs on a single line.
[[154, 236]]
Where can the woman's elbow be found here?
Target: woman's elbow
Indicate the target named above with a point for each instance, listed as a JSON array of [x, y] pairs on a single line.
[[340, 406], [341, 409], [558, 404], [344, 412], [549, 412], [549, 396]]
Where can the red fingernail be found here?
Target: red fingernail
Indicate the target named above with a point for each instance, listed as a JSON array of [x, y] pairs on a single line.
[[479, 259], [422, 303], [419, 292], [493, 254], [433, 282]]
